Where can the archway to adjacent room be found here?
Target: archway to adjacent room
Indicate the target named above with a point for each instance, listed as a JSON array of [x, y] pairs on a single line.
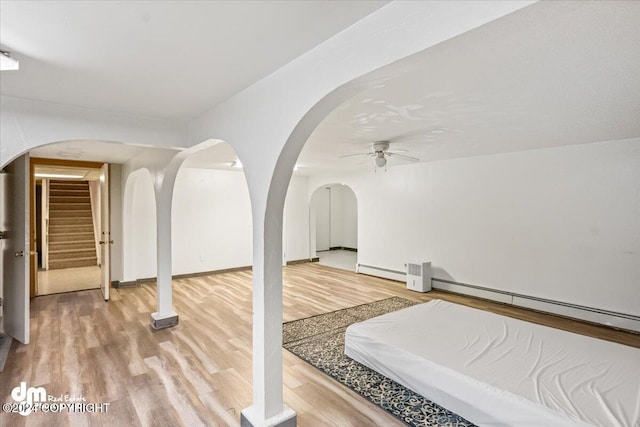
[[333, 226], [139, 228], [211, 214]]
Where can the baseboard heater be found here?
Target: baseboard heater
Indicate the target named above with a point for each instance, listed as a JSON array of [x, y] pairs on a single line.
[[605, 317]]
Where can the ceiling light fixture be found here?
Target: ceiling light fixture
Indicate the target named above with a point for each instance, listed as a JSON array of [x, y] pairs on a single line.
[[7, 63], [57, 175]]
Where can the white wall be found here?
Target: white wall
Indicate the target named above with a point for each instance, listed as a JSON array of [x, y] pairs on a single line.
[[211, 222], [345, 212], [321, 205], [115, 206], [336, 216], [296, 242], [143, 230], [560, 223]]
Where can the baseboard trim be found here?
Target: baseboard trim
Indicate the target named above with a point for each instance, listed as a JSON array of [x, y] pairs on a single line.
[[598, 316], [608, 318], [385, 273], [300, 261], [342, 248], [209, 273], [123, 285], [135, 283]]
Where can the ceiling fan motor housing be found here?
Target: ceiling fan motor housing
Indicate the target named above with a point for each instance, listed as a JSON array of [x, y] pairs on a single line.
[[380, 146]]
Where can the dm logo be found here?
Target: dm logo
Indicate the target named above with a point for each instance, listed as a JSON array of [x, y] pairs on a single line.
[[29, 396]]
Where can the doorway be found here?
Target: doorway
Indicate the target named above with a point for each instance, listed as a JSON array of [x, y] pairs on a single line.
[[69, 226], [334, 226]]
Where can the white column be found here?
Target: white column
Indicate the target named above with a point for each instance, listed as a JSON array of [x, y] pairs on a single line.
[[268, 408], [165, 316]]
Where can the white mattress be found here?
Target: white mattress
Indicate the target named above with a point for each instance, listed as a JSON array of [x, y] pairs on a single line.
[[495, 370]]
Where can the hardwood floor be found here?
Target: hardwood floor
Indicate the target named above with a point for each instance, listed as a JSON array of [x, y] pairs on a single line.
[[199, 373]]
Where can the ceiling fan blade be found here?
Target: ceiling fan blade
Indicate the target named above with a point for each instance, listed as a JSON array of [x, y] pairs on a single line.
[[398, 150], [356, 155], [402, 156]]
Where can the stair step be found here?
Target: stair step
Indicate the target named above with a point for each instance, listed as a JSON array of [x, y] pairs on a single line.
[[73, 191], [63, 221], [55, 238], [70, 183], [71, 234], [87, 245], [74, 262], [70, 199], [68, 192], [80, 252], [70, 213], [71, 230], [69, 206]]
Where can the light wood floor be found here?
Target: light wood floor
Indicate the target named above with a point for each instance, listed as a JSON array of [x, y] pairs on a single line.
[[199, 373]]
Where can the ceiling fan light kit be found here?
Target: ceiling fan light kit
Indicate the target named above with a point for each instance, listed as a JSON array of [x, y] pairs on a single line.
[[381, 154], [381, 160]]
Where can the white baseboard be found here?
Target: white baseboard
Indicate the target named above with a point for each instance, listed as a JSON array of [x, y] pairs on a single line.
[[480, 293], [576, 313], [603, 317], [381, 272], [555, 307]]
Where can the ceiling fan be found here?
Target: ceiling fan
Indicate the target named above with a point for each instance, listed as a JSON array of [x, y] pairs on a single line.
[[381, 153]]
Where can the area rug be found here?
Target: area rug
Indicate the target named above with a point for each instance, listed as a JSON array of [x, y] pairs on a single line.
[[319, 340]]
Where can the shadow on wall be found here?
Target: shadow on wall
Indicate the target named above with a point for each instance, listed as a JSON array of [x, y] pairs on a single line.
[[441, 273]]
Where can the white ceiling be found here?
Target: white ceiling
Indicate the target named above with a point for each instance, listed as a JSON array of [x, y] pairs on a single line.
[[552, 74], [171, 59], [555, 73], [93, 151], [82, 174], [220, 156]]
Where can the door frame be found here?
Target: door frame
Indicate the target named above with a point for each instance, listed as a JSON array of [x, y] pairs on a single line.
[[34, 161]]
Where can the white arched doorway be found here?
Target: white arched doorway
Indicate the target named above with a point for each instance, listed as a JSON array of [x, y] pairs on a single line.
[[211, 213], [333, 226], [139, 227]]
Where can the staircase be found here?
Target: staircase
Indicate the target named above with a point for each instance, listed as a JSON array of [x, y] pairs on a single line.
[[71, 236]]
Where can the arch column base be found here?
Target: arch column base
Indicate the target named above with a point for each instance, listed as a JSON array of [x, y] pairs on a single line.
[[286, 418], [162, 321]]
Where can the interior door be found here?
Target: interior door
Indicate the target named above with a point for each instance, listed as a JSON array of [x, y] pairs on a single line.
[[15, 250], [105, 242], [323, 220]]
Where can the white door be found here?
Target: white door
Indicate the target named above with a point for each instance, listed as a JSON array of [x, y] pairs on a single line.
[[323, 219], [15, 250], [105, 238]]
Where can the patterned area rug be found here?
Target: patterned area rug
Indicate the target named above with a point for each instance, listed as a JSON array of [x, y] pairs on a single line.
[[319, 340]]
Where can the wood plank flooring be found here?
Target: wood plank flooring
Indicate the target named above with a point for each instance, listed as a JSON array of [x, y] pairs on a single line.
[[199, 373]]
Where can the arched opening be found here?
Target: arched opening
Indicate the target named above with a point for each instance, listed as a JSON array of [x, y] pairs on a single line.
[[333, 226], [139, 227], [211, 214]]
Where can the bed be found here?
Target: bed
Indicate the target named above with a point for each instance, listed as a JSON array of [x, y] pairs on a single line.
[[494, 370]]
